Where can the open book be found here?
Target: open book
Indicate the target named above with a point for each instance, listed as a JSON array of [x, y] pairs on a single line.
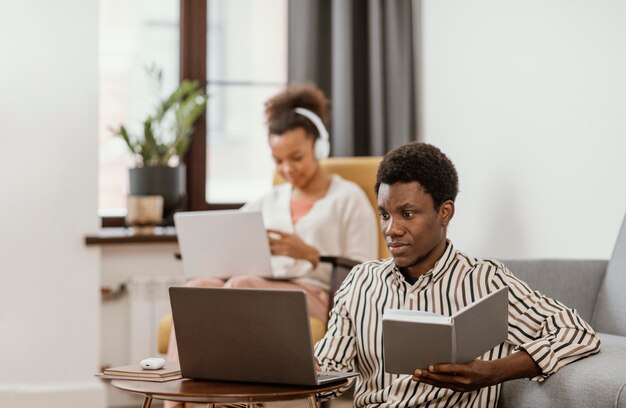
[[415, 339], [171, 371]]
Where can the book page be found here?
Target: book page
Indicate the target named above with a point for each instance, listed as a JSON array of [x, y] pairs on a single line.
[[415, 316]]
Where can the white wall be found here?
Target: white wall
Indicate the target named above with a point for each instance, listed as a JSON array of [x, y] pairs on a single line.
[[49, 288], [528, 99]]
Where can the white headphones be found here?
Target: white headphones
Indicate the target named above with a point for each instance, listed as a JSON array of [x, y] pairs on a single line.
[[322, 143]]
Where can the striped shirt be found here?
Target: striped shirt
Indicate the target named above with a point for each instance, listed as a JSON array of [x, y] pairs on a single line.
[[553, 334]]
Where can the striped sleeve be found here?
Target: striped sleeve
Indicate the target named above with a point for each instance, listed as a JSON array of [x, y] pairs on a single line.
[[550, 332]]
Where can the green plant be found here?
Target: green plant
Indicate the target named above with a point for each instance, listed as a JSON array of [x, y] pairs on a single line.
[[166, 132]]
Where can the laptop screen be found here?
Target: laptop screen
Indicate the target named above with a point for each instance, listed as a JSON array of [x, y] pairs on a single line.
[[221, 244]]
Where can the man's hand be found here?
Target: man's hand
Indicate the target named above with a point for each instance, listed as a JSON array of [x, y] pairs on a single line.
[[316, 364], [284, 243], [478, 373], [459, 377]]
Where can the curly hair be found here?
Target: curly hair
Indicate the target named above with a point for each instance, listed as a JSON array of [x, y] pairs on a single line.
[[423, 163], [281, 117]]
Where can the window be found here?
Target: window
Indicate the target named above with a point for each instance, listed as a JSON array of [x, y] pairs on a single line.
[[237, 47], [133, 34], [246, 64]]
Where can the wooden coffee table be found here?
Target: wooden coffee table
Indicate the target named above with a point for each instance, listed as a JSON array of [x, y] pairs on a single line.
[[217, 392]]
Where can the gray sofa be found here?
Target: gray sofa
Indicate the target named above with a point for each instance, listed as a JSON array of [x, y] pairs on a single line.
[[597, 289]]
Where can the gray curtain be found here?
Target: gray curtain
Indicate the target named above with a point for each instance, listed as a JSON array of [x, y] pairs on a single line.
[[362, 54]]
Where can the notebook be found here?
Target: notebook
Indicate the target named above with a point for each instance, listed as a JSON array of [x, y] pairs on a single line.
[[170, 372], [414, 339], [249, 335], [222, 244]]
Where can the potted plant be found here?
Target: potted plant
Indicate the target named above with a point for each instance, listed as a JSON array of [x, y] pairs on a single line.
[[165, 138]]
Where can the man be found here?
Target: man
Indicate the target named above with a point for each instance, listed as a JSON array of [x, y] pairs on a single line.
[[416, 186]]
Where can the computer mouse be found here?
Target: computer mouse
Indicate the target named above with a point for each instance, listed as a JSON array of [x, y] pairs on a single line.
[[152, 363]]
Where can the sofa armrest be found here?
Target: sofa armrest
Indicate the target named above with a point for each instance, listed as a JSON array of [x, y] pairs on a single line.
[[574, 282], [341, 268], [595, 381], [339, 261]]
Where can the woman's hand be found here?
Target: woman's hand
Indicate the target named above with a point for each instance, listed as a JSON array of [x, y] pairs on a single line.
[[284, 243]]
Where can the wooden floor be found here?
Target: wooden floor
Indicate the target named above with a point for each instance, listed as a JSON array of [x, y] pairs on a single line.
[[339, 403]]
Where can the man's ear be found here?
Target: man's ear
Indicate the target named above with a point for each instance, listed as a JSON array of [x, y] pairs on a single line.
[[446, 212]]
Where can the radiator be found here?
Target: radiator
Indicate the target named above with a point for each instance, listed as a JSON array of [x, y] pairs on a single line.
[[148, 303]]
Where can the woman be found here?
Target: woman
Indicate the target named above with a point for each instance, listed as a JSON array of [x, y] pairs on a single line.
[[309, 215]]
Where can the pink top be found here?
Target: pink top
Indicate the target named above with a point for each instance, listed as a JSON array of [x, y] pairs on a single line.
[[299, 208]]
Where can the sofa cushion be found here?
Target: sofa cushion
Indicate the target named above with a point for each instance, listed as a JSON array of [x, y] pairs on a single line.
[[573, 282], [595, 381], [610, 312]]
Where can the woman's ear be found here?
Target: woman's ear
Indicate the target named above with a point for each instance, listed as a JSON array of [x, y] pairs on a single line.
[[446, 212]]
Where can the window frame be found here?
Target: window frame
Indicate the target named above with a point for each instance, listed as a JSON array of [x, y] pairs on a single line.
[[193, 63]]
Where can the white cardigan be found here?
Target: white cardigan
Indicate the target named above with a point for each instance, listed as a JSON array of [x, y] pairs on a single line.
[[342, 223]]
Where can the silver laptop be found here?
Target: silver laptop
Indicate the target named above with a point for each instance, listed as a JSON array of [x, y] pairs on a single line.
[[222, 244], [249, 335]]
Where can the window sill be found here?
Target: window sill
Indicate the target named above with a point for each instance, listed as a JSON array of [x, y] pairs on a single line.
[[125, 235]]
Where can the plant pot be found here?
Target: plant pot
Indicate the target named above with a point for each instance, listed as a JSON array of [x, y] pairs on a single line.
[[168, 182], [144, 212]]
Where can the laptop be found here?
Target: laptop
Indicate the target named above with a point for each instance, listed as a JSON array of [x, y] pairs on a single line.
[[222, 244], [248, 335]]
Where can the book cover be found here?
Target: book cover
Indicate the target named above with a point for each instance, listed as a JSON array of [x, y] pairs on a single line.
[[416, 339], [134, 371]]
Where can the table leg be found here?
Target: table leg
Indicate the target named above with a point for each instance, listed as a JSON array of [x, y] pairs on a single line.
[[312, 402], [147, 401]]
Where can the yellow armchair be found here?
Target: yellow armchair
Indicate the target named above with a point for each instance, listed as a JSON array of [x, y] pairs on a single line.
[[362, 171], [163, 333]]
